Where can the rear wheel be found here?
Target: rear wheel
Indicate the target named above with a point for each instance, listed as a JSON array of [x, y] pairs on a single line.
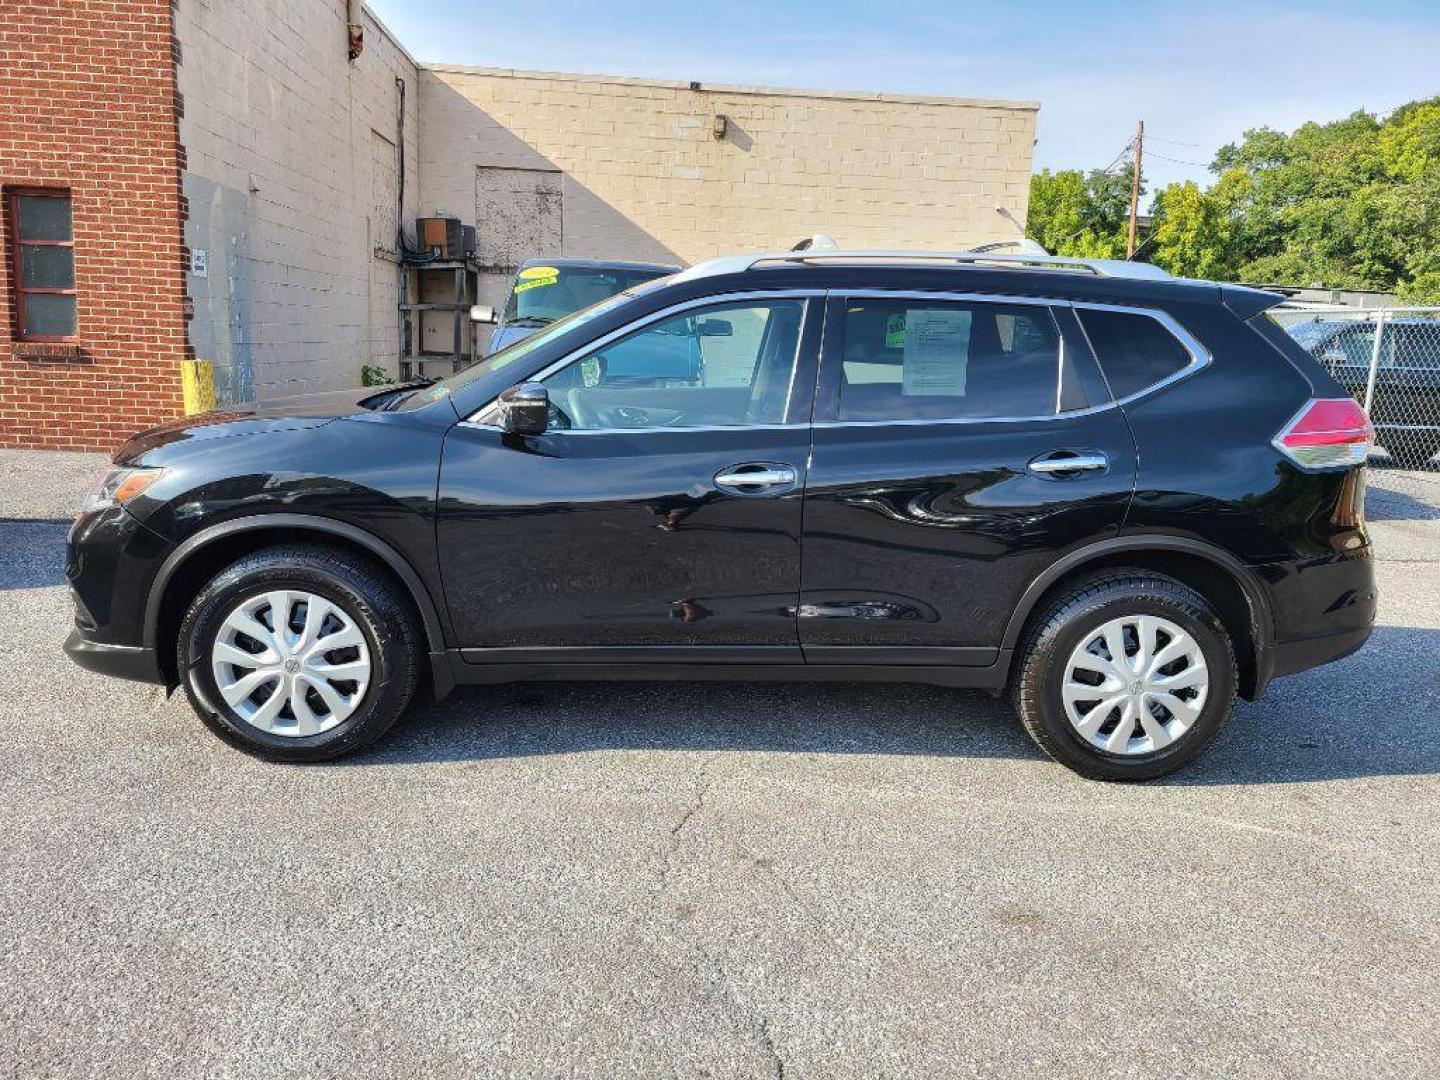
[[1125, 676], [299, 653]]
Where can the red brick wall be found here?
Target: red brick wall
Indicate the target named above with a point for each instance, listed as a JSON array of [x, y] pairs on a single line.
[[88, 101]]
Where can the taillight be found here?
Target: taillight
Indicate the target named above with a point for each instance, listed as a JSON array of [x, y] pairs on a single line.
[[1327, 433]]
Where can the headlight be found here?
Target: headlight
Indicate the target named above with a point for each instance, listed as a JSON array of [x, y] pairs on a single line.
[[117, 486]]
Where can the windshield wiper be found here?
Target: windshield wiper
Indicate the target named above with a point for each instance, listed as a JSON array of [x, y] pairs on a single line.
[[391, 397], [531, 320]]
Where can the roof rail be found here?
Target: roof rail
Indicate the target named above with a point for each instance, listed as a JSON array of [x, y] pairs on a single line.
[[1098, 267]]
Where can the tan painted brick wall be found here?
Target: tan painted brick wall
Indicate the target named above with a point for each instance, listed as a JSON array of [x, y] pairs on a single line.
[[644, 177], [292, 185], [87, 103]]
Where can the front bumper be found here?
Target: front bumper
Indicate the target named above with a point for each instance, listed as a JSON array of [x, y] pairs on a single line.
[[122, 661]]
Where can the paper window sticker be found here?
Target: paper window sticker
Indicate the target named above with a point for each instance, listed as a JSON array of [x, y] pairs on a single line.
[[937, 351]]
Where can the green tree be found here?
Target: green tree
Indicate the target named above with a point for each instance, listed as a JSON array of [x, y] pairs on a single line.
[[1353, 203], [1080, 214], [1190, 233]]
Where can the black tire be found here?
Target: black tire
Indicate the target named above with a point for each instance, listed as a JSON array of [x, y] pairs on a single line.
[[1412, 449], [365, 593], [1054, 633]]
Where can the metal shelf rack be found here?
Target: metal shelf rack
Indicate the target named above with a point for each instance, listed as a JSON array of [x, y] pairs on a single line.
[[425, 284]]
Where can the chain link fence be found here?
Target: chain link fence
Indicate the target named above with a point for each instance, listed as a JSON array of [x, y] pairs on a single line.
[[1390, 360]]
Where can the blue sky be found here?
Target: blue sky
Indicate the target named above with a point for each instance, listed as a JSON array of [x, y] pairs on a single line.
[[1199, 73]]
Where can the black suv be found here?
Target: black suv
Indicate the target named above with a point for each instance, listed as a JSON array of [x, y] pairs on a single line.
[[1120, 497]]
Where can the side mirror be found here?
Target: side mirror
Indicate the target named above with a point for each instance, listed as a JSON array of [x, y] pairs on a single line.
[[716, 328], [482, 313], [525, 409]]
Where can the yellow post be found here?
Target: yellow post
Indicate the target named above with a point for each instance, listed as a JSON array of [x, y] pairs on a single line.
[[197, 377]]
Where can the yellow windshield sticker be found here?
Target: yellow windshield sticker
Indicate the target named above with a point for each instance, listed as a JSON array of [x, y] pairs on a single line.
[[524, 285], [530, 273]]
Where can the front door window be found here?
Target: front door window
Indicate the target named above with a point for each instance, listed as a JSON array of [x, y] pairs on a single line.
[[728, 365]]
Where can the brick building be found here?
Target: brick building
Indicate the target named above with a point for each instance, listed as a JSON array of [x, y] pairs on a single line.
[[229, 179], [92, 324]]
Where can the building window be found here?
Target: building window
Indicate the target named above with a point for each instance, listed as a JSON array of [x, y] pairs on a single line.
[[43, 261]]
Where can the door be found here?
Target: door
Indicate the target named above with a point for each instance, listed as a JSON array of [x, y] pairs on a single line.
[[960, 446], [659, 516]]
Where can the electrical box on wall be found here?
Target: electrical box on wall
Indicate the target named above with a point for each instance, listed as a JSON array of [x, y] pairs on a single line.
[[445, 233]]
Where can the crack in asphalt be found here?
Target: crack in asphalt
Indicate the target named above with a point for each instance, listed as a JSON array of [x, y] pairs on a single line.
[[706, 966], [769, 1043], [702, 785]]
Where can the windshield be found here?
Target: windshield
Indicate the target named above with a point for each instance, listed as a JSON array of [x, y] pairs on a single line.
[[543, 294]]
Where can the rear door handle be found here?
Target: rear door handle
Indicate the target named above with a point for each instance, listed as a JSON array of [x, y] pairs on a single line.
[[755, 477], [1065, 461]]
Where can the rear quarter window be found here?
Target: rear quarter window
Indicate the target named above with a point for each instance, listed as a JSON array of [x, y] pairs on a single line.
[[1135, 351]]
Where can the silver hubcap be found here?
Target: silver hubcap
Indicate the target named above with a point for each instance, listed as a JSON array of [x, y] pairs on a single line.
[[291, 663], [1135, 685]]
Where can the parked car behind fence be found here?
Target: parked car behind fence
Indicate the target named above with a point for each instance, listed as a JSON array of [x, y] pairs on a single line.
[[1390, 360]]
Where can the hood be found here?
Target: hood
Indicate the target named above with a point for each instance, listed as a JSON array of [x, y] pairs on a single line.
[[280, 414]]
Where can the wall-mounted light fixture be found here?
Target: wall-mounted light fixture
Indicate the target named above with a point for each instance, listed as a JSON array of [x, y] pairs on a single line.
[[720, 125]]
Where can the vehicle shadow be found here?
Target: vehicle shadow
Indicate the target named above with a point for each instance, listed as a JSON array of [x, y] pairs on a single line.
[[802, 718], [1369, 715], [32, 553], [1388, 504]]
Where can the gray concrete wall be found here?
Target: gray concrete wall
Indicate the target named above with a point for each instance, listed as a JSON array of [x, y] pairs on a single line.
[[293, 183], [640, 173]]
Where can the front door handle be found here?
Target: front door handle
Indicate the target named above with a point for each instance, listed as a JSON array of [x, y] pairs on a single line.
[[1065, 461], [755, 477]]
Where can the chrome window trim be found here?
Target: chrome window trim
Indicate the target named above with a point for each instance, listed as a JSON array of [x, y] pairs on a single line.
[[649, 430], [656, 316], [1200, 356], [950, 421]]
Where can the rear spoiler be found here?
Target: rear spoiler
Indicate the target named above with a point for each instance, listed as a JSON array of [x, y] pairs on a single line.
[[1246, 302]]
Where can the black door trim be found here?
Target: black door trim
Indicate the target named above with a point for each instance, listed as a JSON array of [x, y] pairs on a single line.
[[634, 654], [959, 656], [984, 678]]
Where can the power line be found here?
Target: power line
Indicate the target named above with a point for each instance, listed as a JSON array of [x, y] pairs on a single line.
[[1177, 142], [1177, 161], [1120, 156]]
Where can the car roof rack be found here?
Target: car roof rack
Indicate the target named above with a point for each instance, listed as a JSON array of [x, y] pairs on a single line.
[[1098, 267]]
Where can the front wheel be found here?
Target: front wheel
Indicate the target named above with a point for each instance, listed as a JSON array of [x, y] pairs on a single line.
[[1125, 676], [299, 653]]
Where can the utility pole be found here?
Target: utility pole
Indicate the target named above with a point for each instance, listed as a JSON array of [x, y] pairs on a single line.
[[1135, 188]]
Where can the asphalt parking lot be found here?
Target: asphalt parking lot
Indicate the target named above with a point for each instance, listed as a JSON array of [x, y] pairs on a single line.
[[716, 880]]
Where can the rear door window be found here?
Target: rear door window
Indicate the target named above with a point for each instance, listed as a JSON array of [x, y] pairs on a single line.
[[1135, 351], [909, 359]]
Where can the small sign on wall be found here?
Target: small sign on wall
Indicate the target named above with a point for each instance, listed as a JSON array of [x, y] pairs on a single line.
[[199, 263]]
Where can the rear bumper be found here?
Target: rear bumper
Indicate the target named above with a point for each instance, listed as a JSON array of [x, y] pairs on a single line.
[[122, 661], [1295, 656]]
